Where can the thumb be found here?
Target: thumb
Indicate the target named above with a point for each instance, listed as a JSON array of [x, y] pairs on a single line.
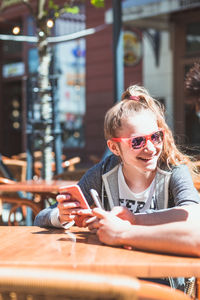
[[99, 213]]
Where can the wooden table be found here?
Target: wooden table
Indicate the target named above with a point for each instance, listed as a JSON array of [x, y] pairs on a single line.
[[78, 249], [41, 188], [35, 186]]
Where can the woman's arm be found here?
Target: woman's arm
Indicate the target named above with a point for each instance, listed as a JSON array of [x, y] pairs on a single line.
[[184, 195], [158, 217], [182, 237]]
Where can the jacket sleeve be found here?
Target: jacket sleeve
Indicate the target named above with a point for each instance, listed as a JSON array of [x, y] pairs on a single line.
[[182, 187], [43, 219]]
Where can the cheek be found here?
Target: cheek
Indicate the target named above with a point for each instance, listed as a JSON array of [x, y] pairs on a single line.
[[159, 148], [125, 151]]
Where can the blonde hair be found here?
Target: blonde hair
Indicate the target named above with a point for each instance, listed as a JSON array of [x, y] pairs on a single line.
[[114, 117]]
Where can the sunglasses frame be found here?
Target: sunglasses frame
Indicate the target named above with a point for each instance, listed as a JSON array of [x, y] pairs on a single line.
[[147, 137]]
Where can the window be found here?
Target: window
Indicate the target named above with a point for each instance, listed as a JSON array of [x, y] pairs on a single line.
[[192, 38], [192, 118]]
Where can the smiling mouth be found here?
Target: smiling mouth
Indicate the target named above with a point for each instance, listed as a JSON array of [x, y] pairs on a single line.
[[145, 159]]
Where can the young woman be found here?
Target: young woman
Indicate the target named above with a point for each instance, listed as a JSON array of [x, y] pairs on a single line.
[[146, 184], [145, 178]]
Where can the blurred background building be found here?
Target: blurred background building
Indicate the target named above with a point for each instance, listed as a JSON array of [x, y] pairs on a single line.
[[161, 42]]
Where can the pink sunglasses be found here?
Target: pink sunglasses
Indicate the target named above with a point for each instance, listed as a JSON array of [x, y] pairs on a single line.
[[141, 141]]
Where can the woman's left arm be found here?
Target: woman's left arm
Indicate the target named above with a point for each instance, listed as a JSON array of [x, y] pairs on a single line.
[[182, 238], [176, 214], [186, 201]]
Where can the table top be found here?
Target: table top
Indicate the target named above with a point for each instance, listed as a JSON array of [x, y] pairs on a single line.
[[79, 249], [36, 186]]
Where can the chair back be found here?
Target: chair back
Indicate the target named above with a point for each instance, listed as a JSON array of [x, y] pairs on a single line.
[[69, 285], [51, 284], [153, 291]]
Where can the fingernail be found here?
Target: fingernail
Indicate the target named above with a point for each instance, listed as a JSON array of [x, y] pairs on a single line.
[[90, 220]]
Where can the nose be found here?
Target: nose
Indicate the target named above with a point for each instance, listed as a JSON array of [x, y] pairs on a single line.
[[150, 146]]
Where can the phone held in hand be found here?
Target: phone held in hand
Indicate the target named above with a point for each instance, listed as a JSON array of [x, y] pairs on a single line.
[[96, 198], [76, 193]]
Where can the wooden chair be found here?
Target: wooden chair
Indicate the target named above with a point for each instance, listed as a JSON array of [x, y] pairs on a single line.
[[37, 155], [10, 170], [15, 170], [16, 202], [68, 164], [25, 283], [153, 291]]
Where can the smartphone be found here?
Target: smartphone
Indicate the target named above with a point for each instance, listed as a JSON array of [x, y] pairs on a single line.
[[76, 193], [96, 198]]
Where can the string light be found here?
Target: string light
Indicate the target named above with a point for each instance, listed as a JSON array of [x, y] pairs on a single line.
[[41, 33], [16, 30], [50, 23]]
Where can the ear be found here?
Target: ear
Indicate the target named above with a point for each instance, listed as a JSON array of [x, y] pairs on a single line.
[[114, 148]]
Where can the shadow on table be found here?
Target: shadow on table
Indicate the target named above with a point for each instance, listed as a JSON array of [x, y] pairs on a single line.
[[80, 237]]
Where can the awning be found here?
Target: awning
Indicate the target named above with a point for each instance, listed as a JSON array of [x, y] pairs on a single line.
[[151, 13]]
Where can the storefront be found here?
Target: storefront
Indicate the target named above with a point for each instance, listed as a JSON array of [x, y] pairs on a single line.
[[84, 89], [11, 91], [186, 52], [178, 23]]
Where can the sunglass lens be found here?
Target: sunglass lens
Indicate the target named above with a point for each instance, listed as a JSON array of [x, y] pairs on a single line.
[[138, 142], [157, 137]]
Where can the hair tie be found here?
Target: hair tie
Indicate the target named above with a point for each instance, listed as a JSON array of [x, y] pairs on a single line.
[[135, 98]]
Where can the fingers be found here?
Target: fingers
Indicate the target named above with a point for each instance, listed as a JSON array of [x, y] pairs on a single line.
[[90, 220], [84, 212], [66, 206], [63, 197], [100, 213], [69, 210], [63, 218], [94, 226]]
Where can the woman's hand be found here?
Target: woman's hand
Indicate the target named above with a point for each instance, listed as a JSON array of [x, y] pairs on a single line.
[[69, 209], [109, 227], [123, 213]]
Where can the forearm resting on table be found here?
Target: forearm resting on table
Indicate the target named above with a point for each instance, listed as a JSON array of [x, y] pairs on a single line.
[[175, 214], [177, 238]]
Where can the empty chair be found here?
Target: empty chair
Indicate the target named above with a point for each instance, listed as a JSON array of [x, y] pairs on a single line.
[[68, 164]]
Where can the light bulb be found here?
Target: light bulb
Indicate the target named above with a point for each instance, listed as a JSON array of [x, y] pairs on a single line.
[[16, 30], [50, 23]]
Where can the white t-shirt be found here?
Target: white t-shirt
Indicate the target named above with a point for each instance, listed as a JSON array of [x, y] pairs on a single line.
[[135, 202]]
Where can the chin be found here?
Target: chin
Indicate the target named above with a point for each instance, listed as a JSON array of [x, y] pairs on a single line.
[[151, 167]]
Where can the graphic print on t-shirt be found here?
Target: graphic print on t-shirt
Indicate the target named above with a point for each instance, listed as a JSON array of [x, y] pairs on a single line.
[[135, 206], [135, 202]]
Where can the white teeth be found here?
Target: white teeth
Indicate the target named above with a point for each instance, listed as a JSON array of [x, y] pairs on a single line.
[[142, 158]]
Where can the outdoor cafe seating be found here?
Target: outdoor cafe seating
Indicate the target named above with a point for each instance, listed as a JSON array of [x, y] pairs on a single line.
[[14, 169]]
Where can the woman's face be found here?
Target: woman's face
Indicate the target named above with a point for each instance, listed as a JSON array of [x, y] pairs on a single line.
[[145, 158]]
